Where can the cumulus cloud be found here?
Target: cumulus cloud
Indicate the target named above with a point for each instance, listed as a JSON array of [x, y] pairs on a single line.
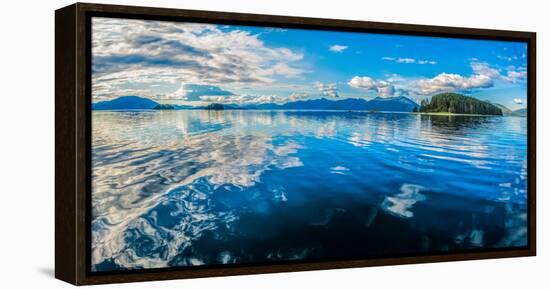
[[483, 76], [337, 48], [131, 55], [408, 60], [483, 68], [364, 82], [329, 89], [509, 74], [447, 82], [518, 100], [515, 74], [381, 87], [298, 96]]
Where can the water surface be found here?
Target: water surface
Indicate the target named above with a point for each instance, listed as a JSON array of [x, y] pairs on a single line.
[[191, 187]]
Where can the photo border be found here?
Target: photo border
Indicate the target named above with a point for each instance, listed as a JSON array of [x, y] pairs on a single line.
[[73, 141]]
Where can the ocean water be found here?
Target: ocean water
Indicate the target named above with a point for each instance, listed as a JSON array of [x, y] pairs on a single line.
[[194, 188]]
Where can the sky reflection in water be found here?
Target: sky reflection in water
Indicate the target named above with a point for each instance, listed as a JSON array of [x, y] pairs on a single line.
[[185, 188]]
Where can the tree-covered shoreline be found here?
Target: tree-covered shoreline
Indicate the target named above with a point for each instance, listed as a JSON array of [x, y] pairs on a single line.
[[458, 104]]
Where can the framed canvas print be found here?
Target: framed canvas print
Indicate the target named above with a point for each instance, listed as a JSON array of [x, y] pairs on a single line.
[[198, 143]]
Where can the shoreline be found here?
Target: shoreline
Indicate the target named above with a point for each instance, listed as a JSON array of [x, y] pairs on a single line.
[[312, 110], [455, 114]]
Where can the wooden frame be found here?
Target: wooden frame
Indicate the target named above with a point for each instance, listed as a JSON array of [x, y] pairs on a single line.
[[72, 149]]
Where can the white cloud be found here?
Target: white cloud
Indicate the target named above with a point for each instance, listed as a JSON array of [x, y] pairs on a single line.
[[446, 82], [385, 89], [135, 54], [381, 87], [483, 77], [299, 96], [518, 100], [483, 68], [432, 62], [329, 89], [337, 48], [515, 74], [405, 60], [363, 82], [285, 70], [194, 92], [408, 60]]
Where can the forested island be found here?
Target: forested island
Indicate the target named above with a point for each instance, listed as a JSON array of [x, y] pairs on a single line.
[[459, 104], [444, 103], [215, 106], [165, 106]]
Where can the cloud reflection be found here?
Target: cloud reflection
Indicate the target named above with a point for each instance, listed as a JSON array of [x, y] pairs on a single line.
[[189, 161], [402, 203], [164, 182]]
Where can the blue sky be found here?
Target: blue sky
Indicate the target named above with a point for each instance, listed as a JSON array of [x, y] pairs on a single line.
[[196, 63]]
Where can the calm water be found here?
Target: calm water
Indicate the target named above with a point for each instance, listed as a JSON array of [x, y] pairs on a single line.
[[187, 188]]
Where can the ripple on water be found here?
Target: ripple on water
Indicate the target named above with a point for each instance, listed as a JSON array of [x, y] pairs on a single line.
[[149, 204], [164, 184]]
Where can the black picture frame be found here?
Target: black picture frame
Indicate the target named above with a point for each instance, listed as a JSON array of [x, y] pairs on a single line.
[[73, 139]]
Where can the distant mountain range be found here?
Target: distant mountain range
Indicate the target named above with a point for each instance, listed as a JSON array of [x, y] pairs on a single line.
[[124, 103], [397, 104], [520, 112], [392, 104], [507, 111], [389, 104]]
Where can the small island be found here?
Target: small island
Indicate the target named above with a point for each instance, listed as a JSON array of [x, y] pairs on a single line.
[[215, 106], [455, 103], [165, 106]]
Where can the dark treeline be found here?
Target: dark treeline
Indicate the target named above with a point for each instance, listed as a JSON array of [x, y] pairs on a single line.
[[458, 103], [215, 106], [164, 106]]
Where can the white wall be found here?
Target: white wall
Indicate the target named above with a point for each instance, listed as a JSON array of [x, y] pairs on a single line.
[[27, 143]]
